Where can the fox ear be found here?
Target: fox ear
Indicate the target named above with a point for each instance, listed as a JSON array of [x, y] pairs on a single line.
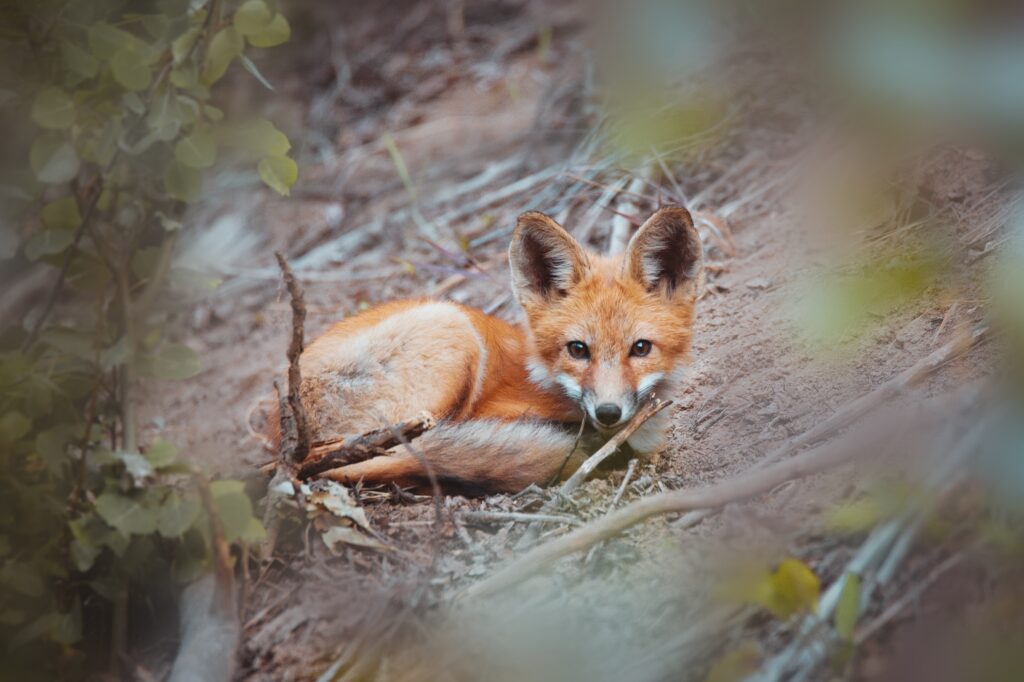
[[545, 260], [665, 253]]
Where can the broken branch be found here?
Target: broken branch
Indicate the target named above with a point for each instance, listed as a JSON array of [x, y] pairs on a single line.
[[339, 452], [295, 452]]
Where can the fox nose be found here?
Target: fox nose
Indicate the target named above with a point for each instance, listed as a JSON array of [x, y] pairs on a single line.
[[608, 413]]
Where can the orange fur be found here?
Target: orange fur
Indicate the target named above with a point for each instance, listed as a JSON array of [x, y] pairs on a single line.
[[507, 398]]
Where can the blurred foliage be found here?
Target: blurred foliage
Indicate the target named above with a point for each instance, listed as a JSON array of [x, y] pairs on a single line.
[[112, 130], [790, 588]]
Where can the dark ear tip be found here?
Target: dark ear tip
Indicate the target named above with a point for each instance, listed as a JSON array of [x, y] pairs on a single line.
[[674, 212], [532, 217]]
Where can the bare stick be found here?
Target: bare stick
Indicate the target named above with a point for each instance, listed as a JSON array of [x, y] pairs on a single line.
[[630, 468], [295, 348], [341, 452], [501, 516], [627, 205], [742, 487], [608, 449], [908, 597]]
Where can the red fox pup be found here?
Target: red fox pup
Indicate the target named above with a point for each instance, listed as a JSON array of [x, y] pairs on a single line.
[[601, 335]]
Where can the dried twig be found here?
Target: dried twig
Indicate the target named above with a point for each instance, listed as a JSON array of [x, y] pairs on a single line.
[[501, 516], [339, 452], [907, 598], [295, 347], [608, 449], [627, 206], [742, 487]]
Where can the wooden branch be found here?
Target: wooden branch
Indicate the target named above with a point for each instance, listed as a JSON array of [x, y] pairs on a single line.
[[295, 347], [503, 517], [339, 452], [742, 487], [627, 205], [289, 435], [609, 448]]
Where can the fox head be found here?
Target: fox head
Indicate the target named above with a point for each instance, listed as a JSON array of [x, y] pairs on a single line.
[[609, 331]]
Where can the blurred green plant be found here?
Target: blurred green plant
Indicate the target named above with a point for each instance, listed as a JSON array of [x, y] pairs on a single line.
[[116, 100]]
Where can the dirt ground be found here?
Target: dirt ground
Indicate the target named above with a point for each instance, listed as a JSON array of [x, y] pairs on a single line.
[[498, 107]]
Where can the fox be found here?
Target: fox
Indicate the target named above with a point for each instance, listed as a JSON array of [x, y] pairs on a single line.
[[601, 335]]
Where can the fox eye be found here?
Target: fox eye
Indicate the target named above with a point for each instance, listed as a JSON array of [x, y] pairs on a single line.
[[640, 348], [578, 350]]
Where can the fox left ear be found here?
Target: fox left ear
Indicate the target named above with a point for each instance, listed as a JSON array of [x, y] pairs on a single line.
[[665, 253]]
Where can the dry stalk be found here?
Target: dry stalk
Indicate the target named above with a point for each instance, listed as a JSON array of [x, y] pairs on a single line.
[[295, 452], [614, 443], [338, 452]]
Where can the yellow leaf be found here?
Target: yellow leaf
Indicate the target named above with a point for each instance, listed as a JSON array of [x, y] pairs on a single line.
[[276, 32], [736, 665], [227, 44], [252, 17], [279, 172], [791, 589]]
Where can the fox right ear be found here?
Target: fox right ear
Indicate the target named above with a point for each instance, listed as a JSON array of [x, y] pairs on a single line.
[[545, 260]]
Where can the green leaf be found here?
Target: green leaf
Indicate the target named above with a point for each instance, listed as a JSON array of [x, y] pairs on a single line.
[[174, 361], [48, 242], [185, 76], [224, 47], [177, 515], [53, 108], [62, 214], [854, 517], [164, 119], [78, 60], [182, 45], [252, 17], [848, 607], [53, 159], [126, 514], [233, 507], [254, 70], [51, 445], [198, 150], [22, 578], [279, 172], [161, 453], [260, 138], [276, 32], [183, 183], [254, 533], [13, 425], [105, 40], [77, 343], [130, 69], [117, 354]]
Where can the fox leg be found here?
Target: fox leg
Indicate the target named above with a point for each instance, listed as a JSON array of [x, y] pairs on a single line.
[[474, 457]]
